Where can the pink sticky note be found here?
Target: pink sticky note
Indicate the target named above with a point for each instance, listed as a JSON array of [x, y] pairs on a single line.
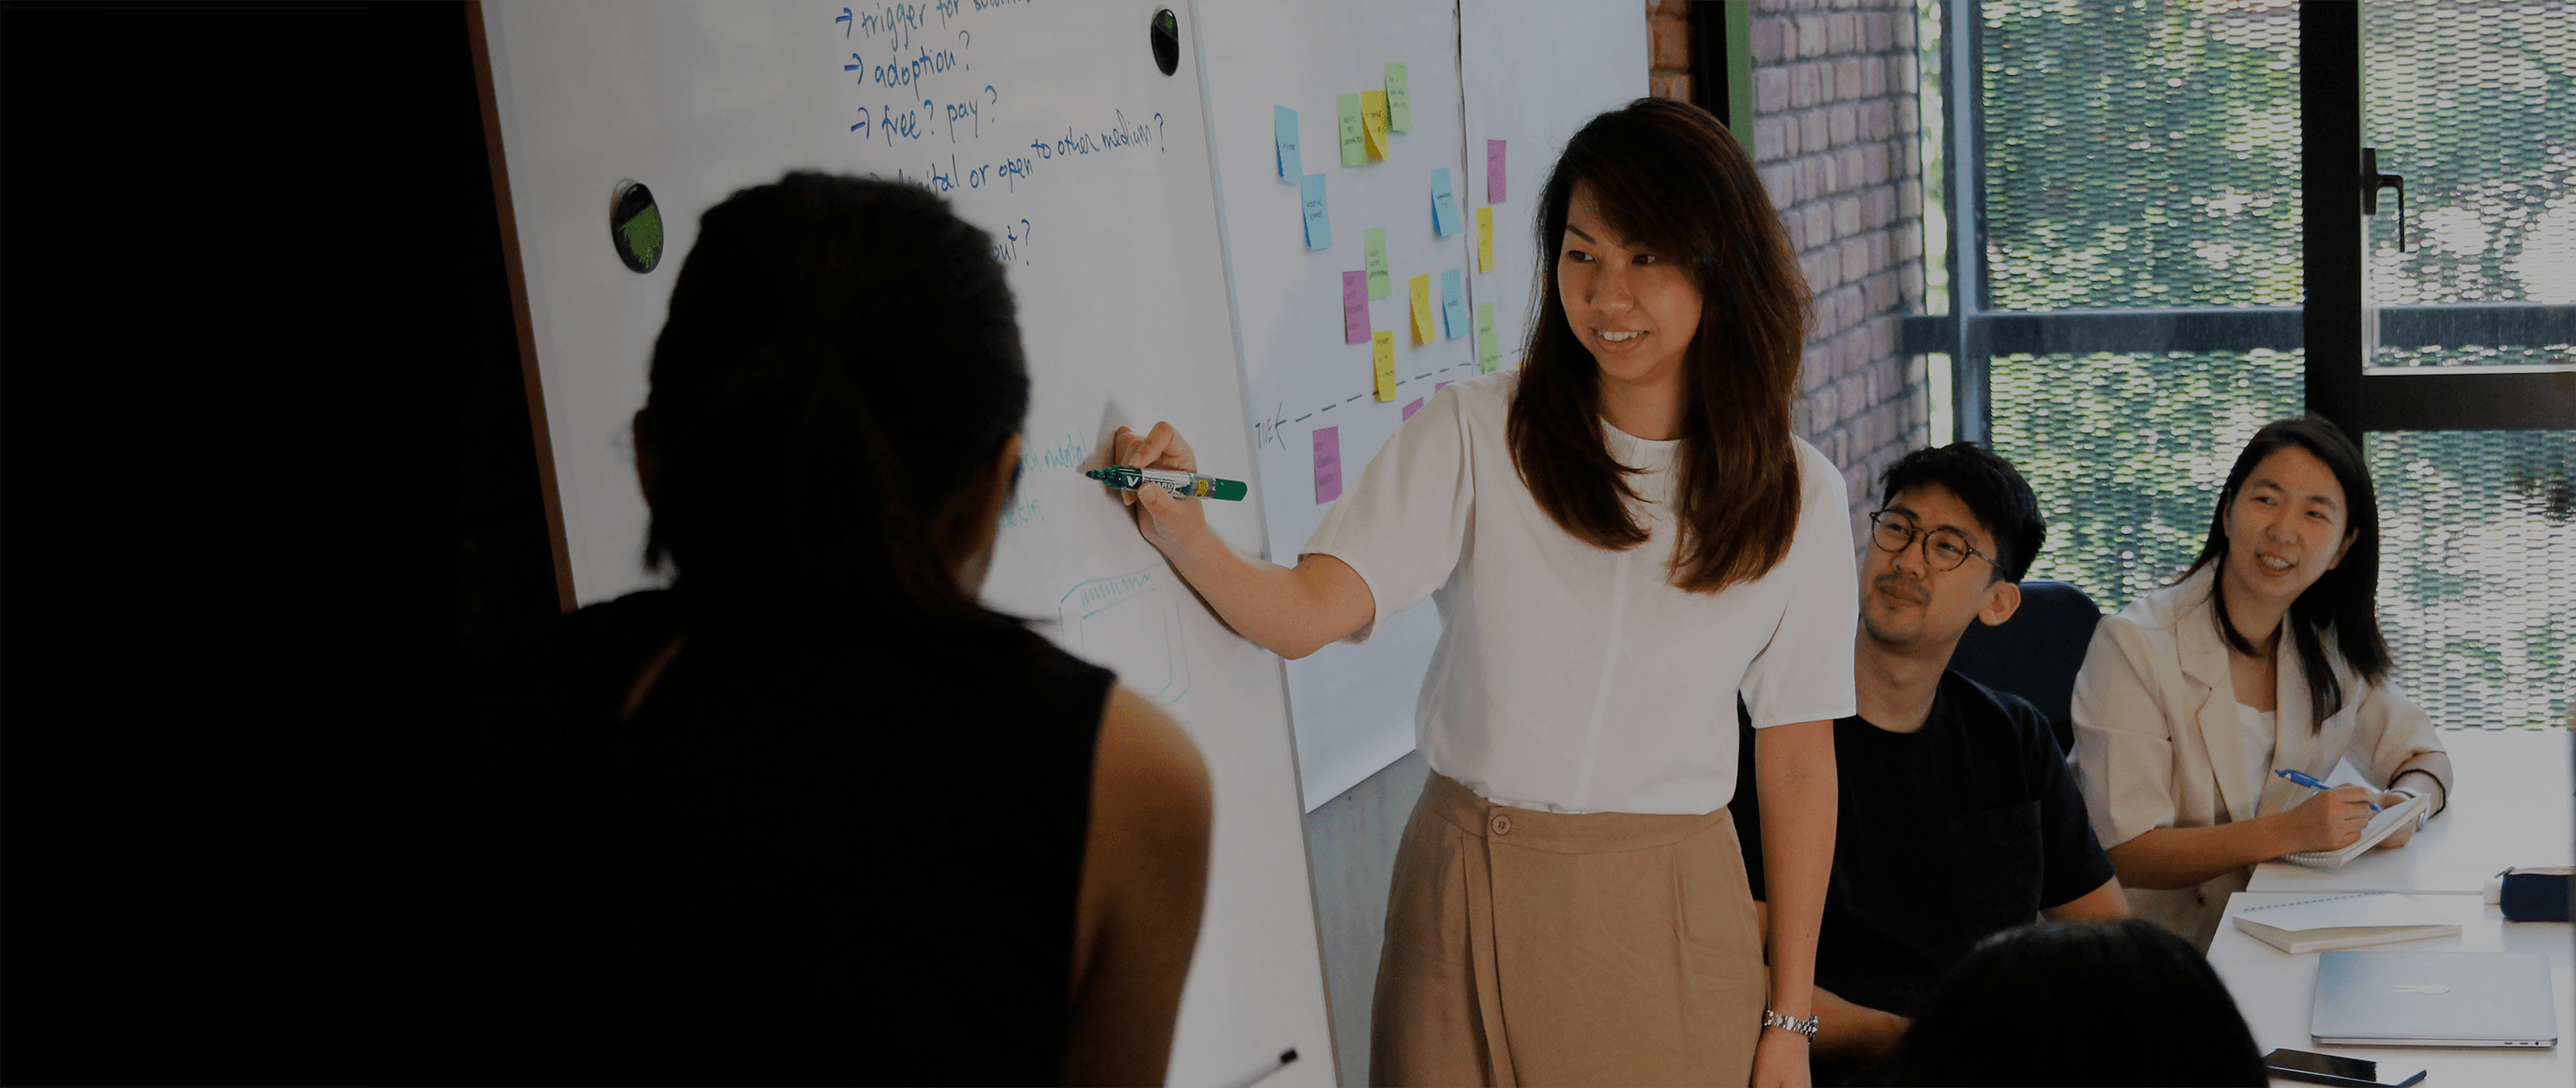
[[1355, 317], [1328, 463], [1416, 406], [1438, 386], [1493, 171]]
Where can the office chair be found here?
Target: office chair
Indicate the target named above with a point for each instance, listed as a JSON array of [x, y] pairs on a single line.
[[2036, 653]]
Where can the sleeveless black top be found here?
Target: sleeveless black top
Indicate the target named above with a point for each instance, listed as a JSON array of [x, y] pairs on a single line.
[[843, 858]]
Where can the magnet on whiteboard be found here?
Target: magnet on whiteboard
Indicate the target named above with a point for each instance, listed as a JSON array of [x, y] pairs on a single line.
[[635, 226], [1165, 33]]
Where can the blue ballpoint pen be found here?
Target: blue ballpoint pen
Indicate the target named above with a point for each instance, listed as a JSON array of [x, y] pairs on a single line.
[[2301, 778]]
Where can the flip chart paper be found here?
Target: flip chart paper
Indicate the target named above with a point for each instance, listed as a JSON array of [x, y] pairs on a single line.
[[1421, 286], [1283, 123], [1494, 181], [1484, 239], [1375, 238], [1355, 315], [1373, 122], [1453, 305], [1444, 204], [1489, 347], [1416, 406], [1352, 153], [1399, 99], [1328, 464], [1384, 350], [1319, 224]]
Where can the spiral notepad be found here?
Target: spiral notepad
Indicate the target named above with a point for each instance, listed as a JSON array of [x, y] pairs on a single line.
[[2344, 921]]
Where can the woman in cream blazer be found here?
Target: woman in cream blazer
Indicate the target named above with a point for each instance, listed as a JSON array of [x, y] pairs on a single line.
[[2166, 713]]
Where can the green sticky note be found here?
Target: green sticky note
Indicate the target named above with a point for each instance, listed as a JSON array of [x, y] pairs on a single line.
[[1354, 151], [1377, 277], [1399, 99], [1489, 347]]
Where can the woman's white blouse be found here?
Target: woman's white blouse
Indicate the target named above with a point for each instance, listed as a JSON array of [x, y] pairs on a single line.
[[1574, 679]]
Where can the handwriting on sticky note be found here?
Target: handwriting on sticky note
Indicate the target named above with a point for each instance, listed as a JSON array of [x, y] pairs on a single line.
[[1416, 406], [1375, 265], [1494, 179], [1444, 204], [1489, 347], [1352, 153], [1399, 98], [1283, 128], [1484, 239], [1373, 122], [1382, 358], [1421, 289], [1453, 304], [1355, 315], [1328, 464], [1319, 222]]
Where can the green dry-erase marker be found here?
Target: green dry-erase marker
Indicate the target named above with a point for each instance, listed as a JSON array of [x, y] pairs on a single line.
[[1182, 485]]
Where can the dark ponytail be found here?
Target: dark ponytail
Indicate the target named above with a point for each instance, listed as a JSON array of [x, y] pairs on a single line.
[[840, 362]]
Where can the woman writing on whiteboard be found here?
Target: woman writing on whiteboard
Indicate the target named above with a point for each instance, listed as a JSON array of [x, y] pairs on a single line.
[[813, 815], [1620, 536], [2265, 657]]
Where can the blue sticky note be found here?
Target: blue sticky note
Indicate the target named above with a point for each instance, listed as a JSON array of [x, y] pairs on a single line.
[[1453, 305], [1319, 224], [1284, 121], [1444, 204]]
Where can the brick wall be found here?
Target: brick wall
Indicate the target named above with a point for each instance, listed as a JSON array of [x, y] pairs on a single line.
[[1835, 131]]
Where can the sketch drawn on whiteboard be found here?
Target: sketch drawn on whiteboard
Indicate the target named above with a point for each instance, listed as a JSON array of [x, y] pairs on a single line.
[[1132, 624]]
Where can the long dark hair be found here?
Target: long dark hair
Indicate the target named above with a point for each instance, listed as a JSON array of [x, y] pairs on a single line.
[[2343, 600], [2109, 1003], [799, 467], [1668, 176]]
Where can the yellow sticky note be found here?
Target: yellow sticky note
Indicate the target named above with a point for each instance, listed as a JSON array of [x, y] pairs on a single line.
[[1382, 345], [1373, 121], [1424, 314], [1484, 239]]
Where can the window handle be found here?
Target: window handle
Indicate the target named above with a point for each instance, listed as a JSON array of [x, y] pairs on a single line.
[[2372, 181]]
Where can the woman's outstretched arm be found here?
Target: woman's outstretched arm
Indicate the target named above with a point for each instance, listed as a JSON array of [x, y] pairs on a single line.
[[1291, 611]]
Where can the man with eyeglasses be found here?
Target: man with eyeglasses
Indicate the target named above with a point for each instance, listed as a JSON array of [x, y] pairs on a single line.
[[1958, 817]]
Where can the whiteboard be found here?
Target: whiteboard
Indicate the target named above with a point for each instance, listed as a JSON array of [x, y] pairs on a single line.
[[1532, 74], [1050, 127]]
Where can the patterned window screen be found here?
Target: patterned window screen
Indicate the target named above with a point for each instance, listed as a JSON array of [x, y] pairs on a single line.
[[2145, 155]]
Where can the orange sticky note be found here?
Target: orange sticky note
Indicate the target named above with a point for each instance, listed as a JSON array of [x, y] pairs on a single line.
[[1424, 314], [1484, 239], [1382, 345], [1373, 122]]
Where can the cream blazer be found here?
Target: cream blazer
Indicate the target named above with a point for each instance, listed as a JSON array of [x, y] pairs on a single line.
[[2158, 743]]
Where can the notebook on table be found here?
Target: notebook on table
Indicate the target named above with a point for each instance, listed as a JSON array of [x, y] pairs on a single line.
[[2344, 921], [2479, 999]]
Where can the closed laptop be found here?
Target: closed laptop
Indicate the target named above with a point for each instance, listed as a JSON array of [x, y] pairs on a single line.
[[2433, 999]]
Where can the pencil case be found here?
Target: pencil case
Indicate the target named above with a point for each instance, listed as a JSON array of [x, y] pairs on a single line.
[[2531, 895]]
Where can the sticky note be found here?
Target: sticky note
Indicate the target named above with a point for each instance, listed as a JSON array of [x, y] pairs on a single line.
[[1416, 406], [1438, 386], [1453, 305], [1328, 464], [1319, 223], [1494, 172], [1384, 349], [1422, 311], [1352, 153], [1283, 124], [1355, 315], [1399, 99], [1489, 347], [1373, 122], [1444, 204], [1375, 238], [1484, 239]]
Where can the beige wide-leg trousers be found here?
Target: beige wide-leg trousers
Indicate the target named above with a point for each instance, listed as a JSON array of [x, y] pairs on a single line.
[[1536, 948]]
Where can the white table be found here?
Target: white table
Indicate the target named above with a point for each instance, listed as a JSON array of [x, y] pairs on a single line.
[[2512, 809], [2273, 989]]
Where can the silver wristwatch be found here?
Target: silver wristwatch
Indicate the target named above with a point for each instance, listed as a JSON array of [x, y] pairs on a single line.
[[1806, 1027]]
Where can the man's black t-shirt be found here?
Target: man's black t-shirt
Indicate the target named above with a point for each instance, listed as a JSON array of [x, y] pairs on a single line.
[[1969, 825]]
